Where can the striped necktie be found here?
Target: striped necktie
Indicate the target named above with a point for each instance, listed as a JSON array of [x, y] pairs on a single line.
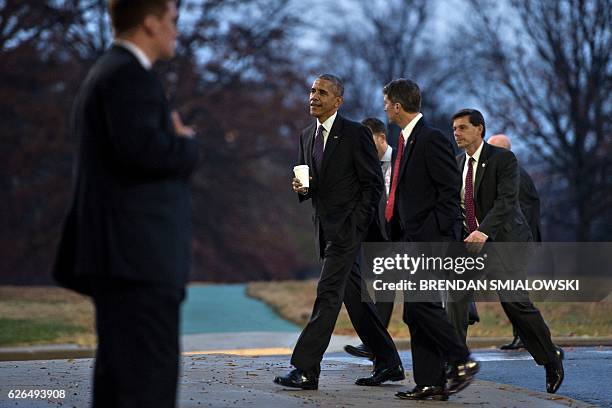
[[317, 150]]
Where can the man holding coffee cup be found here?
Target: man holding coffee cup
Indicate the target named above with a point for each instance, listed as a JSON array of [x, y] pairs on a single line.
[[345, 184]]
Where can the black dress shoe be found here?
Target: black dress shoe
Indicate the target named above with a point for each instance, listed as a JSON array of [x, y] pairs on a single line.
[[359, 351], [299, 379], [560, 353], [434, 392], [554, 375], [381, 375], [515, 344], [461, 375]]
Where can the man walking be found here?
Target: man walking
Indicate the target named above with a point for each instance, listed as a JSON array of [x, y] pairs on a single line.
[[423, 206], [529, 201], [345, 190], [489, 192], [378, 228]]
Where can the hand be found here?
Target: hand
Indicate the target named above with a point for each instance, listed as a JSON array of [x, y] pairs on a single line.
[[475, 241], [180, 128], [297, 186]]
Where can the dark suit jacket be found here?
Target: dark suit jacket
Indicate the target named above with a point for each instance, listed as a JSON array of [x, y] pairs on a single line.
[[529, 201], [130, 217], [378, 231], [496, 188], [378, 227], [427, 199], [346, 193]]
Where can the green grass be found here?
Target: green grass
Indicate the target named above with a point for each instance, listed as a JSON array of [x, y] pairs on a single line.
[[293, 301], [45, 315], [26, 331]]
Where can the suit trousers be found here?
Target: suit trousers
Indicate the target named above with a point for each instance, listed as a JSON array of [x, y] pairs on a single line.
[[341, 281], [385, 310], [524, 316], [138, 348], [433, 341]]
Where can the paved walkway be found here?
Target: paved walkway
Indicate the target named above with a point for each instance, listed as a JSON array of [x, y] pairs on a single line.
[[259, 343], [239, 381], [236, 378]]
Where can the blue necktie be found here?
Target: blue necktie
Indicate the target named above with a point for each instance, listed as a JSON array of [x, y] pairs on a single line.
[[317, 150]]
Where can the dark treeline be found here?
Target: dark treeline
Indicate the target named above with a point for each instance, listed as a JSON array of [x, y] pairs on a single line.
[[233, 80], [241, 76]]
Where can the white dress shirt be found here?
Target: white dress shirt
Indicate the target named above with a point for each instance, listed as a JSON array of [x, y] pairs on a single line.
[[327, 126], [407, 131], [136, 52], [475, 164], [385, 164]]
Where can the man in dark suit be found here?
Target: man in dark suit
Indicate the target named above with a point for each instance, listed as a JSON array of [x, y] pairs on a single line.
[[345, 190], [529, 200], [378, 228], [423, 206], [492, 214], [126, 240]]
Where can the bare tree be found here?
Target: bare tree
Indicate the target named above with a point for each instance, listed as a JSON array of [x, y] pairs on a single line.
[[34, 148], [385, 40], [22, 22], [545, 72], [233, 77]]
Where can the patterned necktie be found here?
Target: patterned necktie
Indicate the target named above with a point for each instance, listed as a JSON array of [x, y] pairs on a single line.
[[317, 150], [396, 166], [470, 211]]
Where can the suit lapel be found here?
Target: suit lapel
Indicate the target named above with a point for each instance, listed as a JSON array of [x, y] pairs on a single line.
[[482, 167], [310, 132], [333, 139], [408, 149], [461, 162]]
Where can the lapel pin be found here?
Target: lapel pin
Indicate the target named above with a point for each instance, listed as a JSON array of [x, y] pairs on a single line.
[[335, 137], [484, 164]]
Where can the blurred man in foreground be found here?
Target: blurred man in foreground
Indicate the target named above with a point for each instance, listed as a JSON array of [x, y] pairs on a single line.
[[126, 241]]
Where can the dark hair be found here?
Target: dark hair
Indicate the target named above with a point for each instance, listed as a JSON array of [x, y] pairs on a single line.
[[336, 82], [128, 14], [405, 92], [376, 125], [474, 116]]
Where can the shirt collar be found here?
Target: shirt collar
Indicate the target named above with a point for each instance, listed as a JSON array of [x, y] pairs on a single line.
[[407, 131], [136, 51], [329, 122], [387, 155], [476, 155]]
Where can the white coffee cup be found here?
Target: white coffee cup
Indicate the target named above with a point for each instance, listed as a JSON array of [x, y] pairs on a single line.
[[301, 173]]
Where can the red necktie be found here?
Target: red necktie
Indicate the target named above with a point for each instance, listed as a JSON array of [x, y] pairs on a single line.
[[396, 166], [468, 200]]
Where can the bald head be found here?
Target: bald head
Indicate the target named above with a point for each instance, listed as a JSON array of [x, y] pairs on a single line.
[[500, 141]]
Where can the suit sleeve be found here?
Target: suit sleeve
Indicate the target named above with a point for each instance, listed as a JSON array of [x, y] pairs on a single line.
[[529, 201], [136, 116], [370, 178], [302, 160], [442, 168], [507, 194]]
